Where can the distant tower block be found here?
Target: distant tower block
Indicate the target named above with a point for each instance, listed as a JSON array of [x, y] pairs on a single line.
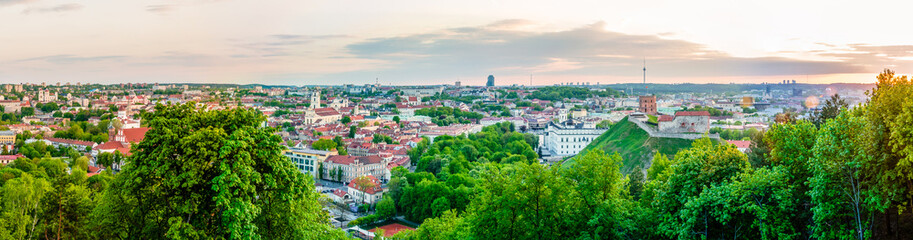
[[648, 104], [491, 81], [457, 84]]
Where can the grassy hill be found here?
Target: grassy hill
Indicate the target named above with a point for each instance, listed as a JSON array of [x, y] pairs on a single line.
[[634, 145]]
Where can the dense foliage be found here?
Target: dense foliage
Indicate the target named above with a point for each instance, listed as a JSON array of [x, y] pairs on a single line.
[[445, 116], [86, 131], [560, 93], [443, 181], [197, 175]]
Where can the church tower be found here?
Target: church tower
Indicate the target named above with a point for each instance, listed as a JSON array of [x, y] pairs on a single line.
[[315, 100]]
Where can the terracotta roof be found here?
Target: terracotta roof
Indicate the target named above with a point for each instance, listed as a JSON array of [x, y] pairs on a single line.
[[11, 157], [665, 118], [109, 145], [740, 143], [692, 113], [70, 141], [349, 160], [326, 111], [125, 151], [339, 193], [134, 135], [377, 188]]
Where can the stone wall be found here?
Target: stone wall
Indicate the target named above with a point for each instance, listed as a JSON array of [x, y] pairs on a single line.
[[654, 133], [683, 124]]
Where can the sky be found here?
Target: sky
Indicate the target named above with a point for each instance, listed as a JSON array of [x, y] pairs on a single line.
[[420, 42]]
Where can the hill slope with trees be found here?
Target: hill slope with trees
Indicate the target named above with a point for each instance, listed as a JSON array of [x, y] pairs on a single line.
[[634, 145]]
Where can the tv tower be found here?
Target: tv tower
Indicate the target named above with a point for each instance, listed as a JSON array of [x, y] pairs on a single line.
[[645, 72]]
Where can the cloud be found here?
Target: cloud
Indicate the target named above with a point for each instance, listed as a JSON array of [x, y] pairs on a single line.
[[160, 9], [278, 45], [54, 9], [873, 57], [509, 48]]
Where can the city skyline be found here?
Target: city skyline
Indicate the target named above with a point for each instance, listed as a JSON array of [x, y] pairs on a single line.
[[418, 43]]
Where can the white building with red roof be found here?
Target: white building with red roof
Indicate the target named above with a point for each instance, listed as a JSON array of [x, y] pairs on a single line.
[[743, 145], [345, 168], [7, 159], [320, 116], [368, 191]]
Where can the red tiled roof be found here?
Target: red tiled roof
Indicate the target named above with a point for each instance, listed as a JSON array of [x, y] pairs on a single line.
[[740, 143], [134, 135], [665, 118], [70, 141], [109, 145], [125, 151], [11, 157], [371, 191], [692, 113], [326, 111], [349, 160], [339, 193]]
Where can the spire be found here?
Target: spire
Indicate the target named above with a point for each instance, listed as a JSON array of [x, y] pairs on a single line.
[[645, 73]]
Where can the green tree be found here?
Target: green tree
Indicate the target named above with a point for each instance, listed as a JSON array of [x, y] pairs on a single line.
[[27, 111], [386, 208], [686, 213], [659, 164], [396, 119], [209, 174], [521, 201], [439, 206], [104, 159], [324, 144], [345, 120], [22, 206], [889, 122], [791, 148], [831, 108], [839, 193], [636, 182], [80, 163], [759, 154]]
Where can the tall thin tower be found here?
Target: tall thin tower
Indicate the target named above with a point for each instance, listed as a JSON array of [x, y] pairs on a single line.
[[645, 72]]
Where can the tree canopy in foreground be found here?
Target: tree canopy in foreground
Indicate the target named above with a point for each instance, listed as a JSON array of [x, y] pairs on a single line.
[[210, 175]]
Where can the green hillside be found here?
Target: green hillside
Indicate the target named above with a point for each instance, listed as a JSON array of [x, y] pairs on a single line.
[[634, 144]]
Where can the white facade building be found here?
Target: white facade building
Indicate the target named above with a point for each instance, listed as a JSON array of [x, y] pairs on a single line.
[[306, 159], [568, 138]]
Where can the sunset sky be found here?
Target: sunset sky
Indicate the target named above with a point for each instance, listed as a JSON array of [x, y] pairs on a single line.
[[416, 42]]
